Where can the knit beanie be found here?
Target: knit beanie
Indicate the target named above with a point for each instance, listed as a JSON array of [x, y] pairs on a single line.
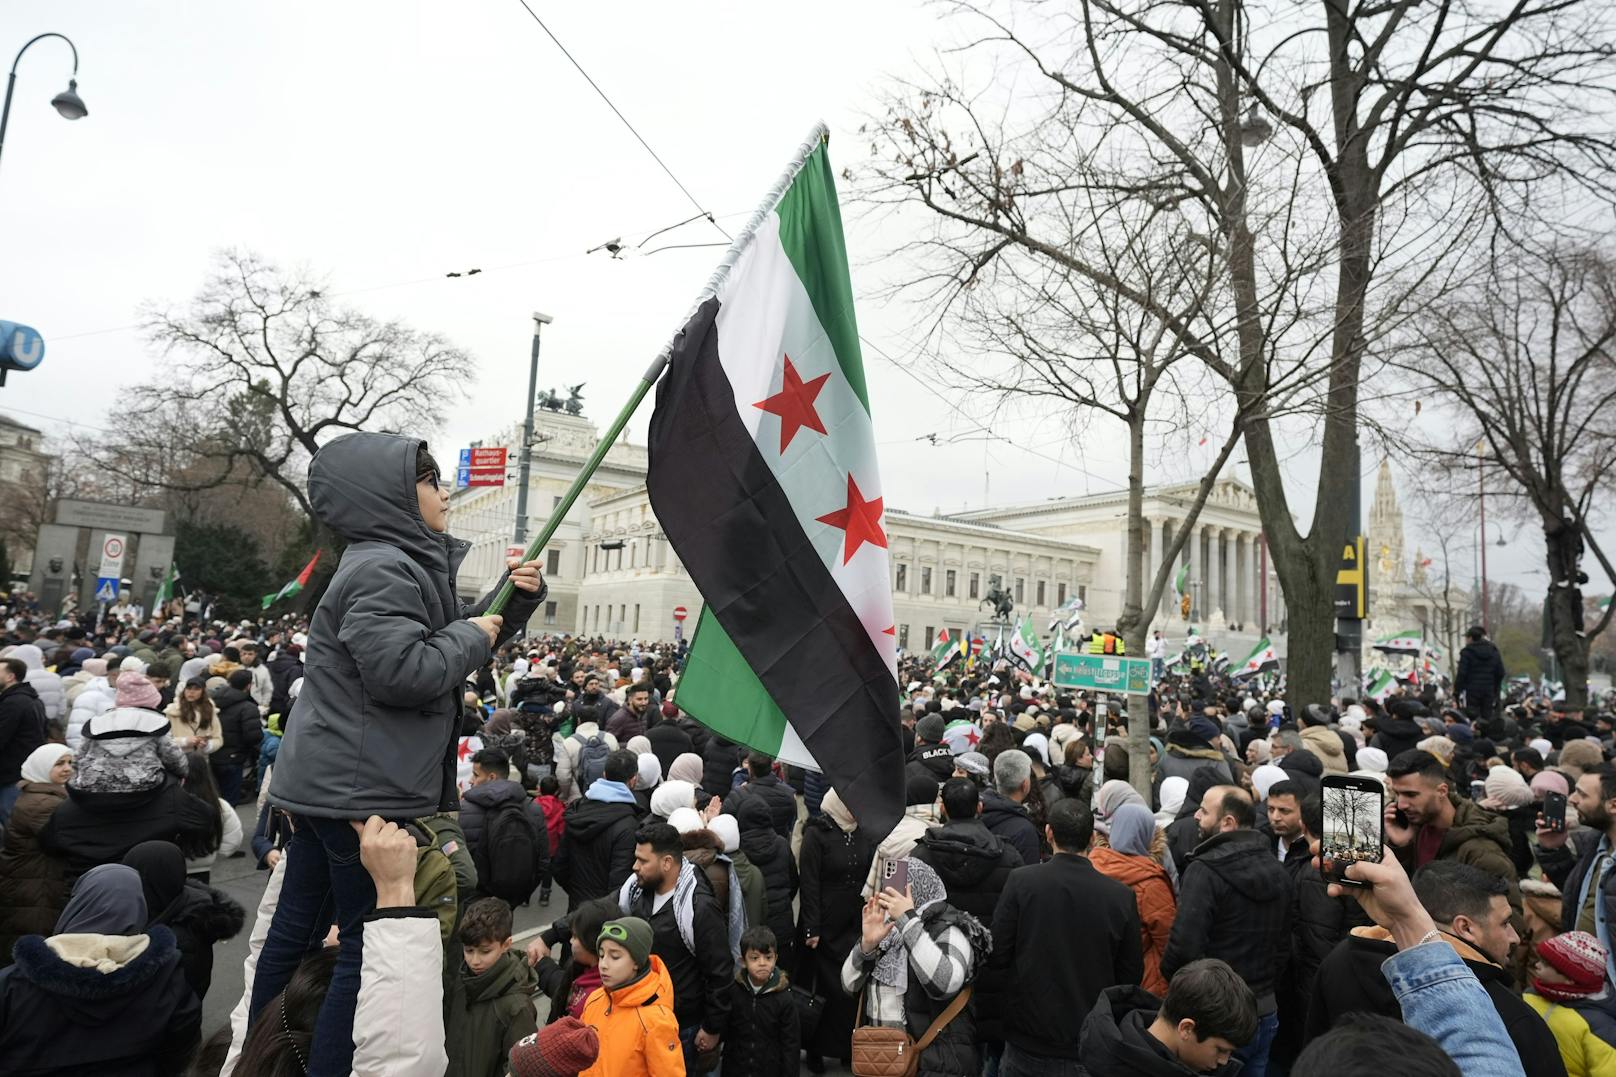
[[1549, 781], [134, 690], [1372, 759], [1505, 789], [632, 934], [930, 728], [562, 1049], [1580, 958]]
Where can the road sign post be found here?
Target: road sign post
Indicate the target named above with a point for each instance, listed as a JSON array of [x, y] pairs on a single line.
[[1103, 673]]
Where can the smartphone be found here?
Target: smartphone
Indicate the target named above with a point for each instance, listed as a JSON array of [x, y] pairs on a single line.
[[1354, 814], [896, 875], [1554, 807], [1478, 789]]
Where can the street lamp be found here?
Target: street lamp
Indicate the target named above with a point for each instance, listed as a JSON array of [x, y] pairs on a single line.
[[68, 103], [1255, 128]]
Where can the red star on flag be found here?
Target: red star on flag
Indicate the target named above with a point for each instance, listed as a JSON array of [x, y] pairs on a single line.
[[464, 749], [861, 520], [890, 630], [794, 403]]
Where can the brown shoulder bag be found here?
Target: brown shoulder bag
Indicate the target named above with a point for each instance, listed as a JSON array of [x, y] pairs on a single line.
[[880, 1051]]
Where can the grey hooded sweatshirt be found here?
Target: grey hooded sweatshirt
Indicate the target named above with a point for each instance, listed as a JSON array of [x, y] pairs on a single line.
[[374, 730]]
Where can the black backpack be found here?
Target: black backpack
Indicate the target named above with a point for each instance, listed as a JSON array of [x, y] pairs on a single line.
[[592, 753], [511, 856]]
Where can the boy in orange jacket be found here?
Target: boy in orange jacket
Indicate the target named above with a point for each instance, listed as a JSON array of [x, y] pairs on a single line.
[[632, 1011]]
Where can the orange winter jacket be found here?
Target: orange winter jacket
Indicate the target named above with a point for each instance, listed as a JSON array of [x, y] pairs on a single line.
[[639, 1036], [1157, 906]]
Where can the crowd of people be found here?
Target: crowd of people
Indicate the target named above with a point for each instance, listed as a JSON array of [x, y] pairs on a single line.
[[420, 773]]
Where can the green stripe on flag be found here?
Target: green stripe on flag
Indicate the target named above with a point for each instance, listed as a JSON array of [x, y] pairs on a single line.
[[720, 690], [819, 255]]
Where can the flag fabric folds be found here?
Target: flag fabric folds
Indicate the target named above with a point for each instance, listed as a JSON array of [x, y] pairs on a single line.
[[1262, 656], [165, 590], [293, 586], [1026, 647], [945, 649], [763, 475]]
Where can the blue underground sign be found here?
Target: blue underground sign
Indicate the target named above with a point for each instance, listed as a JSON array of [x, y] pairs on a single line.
[[21, 348]]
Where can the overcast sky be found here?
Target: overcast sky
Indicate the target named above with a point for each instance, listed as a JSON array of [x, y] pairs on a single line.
[[385, 144]]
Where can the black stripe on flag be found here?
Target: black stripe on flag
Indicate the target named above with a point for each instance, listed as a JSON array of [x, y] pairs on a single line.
[[734, 529]]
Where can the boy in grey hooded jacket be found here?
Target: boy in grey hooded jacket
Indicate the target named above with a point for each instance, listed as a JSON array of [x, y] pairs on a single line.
[[374, 730]]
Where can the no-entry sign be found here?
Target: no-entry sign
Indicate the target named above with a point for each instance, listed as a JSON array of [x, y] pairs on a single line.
[[680, 613]]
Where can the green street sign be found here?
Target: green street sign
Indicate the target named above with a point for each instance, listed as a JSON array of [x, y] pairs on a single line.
[[1103, 673]]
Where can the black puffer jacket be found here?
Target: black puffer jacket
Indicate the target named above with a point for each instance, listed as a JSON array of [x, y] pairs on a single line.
[[92, 828], [1009, 823], [239, 725], [1396, 735], [770, 854], [597, 849], [22, 729], [1234, 903], [719, 759], [972, 862], [202, 917], [778, 797], [1481, 670], [477, 802]]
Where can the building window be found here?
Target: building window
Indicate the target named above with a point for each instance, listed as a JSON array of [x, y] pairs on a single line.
[[1021, 590], [552, 562], [1060, 594], [903, 637], [620, 557], [925, 580], [597, 559], [555, 502], [948, 583], [634, 554], [931, 634], [1039, 592], [1082, 593], [903, 579], [622, 616], [976, 585], [549, 613], [636, 618]]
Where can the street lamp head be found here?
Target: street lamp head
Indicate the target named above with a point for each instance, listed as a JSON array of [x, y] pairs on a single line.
[[69, 103], [1255, 128], [542, 319]]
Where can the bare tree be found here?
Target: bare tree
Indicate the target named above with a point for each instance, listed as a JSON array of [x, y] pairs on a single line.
[[1525, 360], [1334, 184], [262, 370]]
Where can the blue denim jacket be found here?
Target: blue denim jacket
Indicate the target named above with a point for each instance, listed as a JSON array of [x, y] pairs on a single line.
[[1442, 998]]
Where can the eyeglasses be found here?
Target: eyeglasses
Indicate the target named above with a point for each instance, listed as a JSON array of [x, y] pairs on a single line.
[[429, 477]]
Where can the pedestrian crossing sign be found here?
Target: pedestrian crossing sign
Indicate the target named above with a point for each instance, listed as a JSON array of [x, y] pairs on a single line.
[[106, 589]]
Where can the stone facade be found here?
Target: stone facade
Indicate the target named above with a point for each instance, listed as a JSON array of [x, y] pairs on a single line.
[[23, 463]]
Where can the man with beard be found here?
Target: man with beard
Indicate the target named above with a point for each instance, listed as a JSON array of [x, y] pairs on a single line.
[[1588, 885], [1235, 904], [1426, 822], [632, 717]]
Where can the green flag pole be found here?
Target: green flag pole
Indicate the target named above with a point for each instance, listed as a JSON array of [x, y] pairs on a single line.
[[602, 447]]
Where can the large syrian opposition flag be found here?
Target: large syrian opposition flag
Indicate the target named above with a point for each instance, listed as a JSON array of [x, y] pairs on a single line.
[[1411, 642], [1262, 656], [1026, 647], [946, 649], [763, 475]]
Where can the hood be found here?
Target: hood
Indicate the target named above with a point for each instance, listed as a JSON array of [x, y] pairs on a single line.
[[776, 982], [1244, 860], [31, 656], [1113, 1039], [362, 486], [1322, 742], [995, 803], [655, 986], [212, 914], [757, 831], [963, 854], [1472, 822], [589, 819], [1125, 868], [606, 791], [491, 795], [702, 847], [229, 697], [23, 689], [79, 972], [509, 974]]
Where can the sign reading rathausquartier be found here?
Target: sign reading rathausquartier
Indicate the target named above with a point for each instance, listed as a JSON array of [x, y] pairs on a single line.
[[1103, 673]]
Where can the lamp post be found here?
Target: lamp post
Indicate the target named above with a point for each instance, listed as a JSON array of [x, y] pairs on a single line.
[[526, 463], [68, 102]]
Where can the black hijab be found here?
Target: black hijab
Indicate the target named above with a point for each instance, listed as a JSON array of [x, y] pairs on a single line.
[[161, 867], [107, 900]]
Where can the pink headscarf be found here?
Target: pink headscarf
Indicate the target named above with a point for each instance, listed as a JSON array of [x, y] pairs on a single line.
[[1549, 781], [134, 690]]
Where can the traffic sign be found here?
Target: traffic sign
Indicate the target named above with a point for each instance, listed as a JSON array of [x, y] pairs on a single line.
[[482, 458], [468, 476], [1352, 582], [680, 613], [514, 551], [1102, 672], [106, 589], [21, 346], [112, 551]]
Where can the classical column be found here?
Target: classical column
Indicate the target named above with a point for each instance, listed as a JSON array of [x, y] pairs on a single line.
[[1152, 562], [1240, 578], [1197, 588], [1226, 572]]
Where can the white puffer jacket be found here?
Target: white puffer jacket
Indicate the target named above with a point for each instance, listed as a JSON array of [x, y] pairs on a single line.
[[91, 702]]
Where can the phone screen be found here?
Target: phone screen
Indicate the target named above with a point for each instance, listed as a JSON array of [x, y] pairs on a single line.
[[1352, 825], [1554, 810]]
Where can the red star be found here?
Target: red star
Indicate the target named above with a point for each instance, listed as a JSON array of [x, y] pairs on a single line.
[[971, 737], [890, 630], [464, 749], [861, 520], [794, 403]]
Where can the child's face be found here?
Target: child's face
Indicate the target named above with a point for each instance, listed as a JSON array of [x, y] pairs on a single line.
[[480, 957], [581, 954], [760, 966], [434, 502], [616, 966]]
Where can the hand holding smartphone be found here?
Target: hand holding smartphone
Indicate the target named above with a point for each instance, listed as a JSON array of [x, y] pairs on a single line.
[[1554, 812], [1354, 821]]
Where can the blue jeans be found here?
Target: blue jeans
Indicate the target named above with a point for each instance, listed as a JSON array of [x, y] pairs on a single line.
[[324, 884], [8, 800], [228, 778], [1254, 1055]]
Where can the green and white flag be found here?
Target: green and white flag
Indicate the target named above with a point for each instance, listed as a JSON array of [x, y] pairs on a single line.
[[165, 590], [293, 586], [1410, 642], [1262, 656], [1381, 684], [1026, 647], [1181, 581], [763, 475], [945, 649]]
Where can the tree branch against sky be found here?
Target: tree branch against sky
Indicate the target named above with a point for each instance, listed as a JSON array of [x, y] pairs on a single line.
[[1393, 132]]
